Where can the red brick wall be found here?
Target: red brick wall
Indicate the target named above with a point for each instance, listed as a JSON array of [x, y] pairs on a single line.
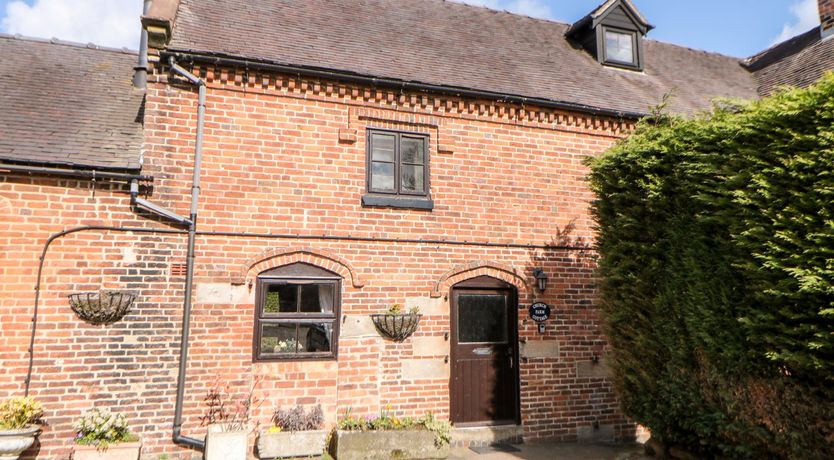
[[286, 156]]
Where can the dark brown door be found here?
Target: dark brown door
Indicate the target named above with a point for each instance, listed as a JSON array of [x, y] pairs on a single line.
[[484, 376]]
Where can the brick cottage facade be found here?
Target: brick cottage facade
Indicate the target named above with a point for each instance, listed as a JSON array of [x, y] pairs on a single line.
[[345, 168]]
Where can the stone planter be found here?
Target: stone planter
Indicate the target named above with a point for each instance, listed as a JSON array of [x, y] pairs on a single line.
[[120, 451], [385, 445], [226, 445], [15, 442], [291, 444]]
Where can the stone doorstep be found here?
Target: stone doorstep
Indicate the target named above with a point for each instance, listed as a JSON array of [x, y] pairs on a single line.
[[486, 435]]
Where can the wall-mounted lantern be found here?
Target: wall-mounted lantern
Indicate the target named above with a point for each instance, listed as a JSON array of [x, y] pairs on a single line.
[[541, 279]]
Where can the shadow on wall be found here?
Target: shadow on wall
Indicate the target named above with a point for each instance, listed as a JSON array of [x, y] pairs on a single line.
[[586, 404]]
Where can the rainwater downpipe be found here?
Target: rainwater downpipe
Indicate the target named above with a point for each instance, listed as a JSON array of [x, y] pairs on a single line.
[[140, 72], [178, 438]]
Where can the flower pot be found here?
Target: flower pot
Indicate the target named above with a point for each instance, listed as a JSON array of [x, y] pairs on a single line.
[[396, 326], [120, 451], [291, 444], [226, 445], [385, 445], [15, 442]]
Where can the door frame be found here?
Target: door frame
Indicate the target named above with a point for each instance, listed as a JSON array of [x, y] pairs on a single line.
[[488, 284]]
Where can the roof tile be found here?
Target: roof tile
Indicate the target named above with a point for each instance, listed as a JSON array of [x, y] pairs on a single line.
[[68, 104], [457, 45]]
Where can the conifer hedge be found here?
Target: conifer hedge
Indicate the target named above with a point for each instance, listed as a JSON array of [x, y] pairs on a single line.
[[716, 242]]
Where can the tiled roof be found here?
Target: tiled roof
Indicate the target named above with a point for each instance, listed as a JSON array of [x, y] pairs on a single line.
[[799, 62], [68, 104], [455, 45]]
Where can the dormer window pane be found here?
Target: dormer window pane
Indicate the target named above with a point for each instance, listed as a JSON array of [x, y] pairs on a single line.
[[619, 47]]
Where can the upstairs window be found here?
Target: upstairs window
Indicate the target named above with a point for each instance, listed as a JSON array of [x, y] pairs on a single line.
[[297, 311], [620, 47], [613, 34], [398, 163]]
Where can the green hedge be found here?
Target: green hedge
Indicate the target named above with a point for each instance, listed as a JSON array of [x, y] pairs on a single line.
[[716, 238]]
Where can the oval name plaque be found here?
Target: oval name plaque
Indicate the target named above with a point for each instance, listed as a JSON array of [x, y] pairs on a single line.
[[539, 312]]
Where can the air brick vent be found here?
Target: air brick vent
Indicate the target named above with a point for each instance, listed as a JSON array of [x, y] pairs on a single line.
[[178, 270]]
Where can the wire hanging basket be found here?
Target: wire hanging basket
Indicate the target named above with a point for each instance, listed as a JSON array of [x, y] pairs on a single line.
[[102, 307], [396, 326]]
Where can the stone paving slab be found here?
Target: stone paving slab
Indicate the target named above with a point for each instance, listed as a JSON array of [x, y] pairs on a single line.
[[557, 451]]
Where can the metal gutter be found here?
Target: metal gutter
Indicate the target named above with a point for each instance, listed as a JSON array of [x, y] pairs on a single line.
[[225, 60], [177, 437], [76, 173]]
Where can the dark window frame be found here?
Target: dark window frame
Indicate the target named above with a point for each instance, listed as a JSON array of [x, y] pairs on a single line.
[[425, 194], [262, 318], [636, 45]]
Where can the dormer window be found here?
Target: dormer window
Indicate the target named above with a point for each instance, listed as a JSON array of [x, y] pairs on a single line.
[[613, 34], [620, 47]]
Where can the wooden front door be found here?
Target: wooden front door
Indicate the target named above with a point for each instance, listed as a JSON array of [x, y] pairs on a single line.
[[484, 386]]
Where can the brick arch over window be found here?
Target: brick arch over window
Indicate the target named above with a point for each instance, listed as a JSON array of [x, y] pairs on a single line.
[[277, 257], [479, 268]]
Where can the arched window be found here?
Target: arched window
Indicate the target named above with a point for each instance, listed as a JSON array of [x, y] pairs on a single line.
[[297, 311]]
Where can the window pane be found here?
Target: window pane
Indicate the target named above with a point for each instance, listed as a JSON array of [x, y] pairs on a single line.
[[411, 150], [412, 180], [279, 338], [281, 298], [482, 318], [315, 337], [318, 298], [382, 176], [619, 47], [382, 147]]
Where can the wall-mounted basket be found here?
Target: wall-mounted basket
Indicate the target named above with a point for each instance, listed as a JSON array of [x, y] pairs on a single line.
[[103, 307], [396, 326]]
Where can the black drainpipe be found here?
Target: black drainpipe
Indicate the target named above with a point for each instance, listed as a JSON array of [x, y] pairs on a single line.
[[189, 267], [140, 74]]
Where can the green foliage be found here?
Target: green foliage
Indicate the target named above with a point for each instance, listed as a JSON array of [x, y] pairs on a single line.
[[441, 428], [386, 421], [716, 237], [272, 302], [17, 413], [100, 428], [397, 309]]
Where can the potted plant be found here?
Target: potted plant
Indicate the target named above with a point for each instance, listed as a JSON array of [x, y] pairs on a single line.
[[228, 423], [294, 433], [387, 436], [19, 426], [103, 435], [397, 324]]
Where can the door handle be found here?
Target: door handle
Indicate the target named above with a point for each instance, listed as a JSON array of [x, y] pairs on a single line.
[[511, 360]]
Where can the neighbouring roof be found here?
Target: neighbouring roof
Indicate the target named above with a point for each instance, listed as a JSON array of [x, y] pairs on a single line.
[[799, 62], [68, 104], [454, 45]]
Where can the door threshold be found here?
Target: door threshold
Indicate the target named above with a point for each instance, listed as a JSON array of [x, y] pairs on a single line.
[[468, 436], [492, 424]]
